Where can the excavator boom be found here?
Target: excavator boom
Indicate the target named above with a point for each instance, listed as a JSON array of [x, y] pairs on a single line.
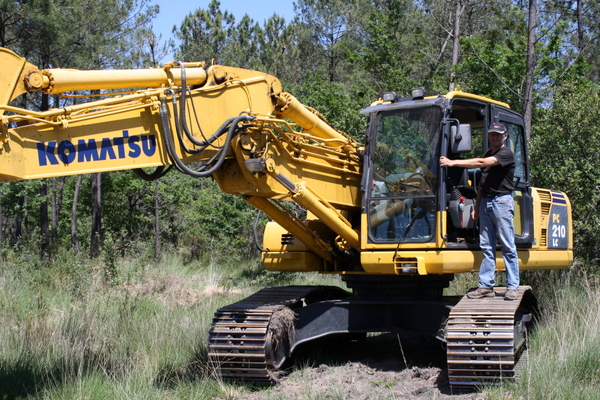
[[232, 124]]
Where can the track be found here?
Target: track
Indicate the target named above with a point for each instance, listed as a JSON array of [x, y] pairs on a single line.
[[486, 337], [249, 340]]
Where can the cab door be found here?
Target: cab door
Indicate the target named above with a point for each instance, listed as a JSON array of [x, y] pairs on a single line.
[[523, 219]]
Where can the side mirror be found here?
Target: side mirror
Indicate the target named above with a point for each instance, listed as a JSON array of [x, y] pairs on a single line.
[[460, 138]]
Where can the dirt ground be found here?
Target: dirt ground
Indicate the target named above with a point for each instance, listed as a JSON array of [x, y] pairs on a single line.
[[378, 368]]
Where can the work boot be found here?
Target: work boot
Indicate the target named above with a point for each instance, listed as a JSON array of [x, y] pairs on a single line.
[[481, 292], [511, 294]]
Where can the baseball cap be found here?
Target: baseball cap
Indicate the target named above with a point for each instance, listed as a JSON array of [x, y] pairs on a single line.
[[497, 127]]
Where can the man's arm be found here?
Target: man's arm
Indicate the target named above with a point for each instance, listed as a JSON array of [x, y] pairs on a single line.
[[470, 162]]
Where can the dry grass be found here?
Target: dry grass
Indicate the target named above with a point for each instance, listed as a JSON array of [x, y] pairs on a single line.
[[564, 355], [70, 330], [141, 333]]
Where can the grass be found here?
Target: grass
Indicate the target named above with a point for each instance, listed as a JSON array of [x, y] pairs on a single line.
[[63, 336], [564, 358], [80, 328], [75, 328]]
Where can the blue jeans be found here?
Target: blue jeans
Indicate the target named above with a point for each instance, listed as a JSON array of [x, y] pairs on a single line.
[[496, 222]]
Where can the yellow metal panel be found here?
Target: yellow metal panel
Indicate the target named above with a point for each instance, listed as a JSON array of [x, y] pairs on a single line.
[[465, 95], [108, 143], [14, 68], [546, 204], [292, 261], [402, 246], [518, 223], [118, 133], [457, 261]]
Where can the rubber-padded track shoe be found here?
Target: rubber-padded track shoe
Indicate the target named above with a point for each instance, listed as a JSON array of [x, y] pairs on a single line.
[[481, 292]]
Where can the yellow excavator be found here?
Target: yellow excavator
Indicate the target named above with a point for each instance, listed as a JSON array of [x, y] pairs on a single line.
[[382, 214]]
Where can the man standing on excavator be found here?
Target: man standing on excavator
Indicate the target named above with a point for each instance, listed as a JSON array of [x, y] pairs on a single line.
[[494, 208]]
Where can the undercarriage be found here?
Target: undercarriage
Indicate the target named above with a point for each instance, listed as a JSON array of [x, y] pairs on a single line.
[[251, 340]]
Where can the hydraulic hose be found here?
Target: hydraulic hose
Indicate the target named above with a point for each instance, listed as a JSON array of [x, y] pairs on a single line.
[[218, 159], [255, 230], [182, 112], [158, 173]]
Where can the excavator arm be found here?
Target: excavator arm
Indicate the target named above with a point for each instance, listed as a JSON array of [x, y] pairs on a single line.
[[232, 124]]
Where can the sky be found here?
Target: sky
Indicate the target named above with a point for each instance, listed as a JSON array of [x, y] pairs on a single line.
[[172, 12]]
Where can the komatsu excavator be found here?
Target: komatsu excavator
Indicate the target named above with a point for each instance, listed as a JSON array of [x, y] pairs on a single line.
[[382, 214]]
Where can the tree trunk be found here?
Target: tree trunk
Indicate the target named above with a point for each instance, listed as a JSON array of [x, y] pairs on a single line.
[[157, 252], [53, 214], [74, 238], [25, 224], [57, 200], [57, 196], [580, 28], [96, 215], [44, 223], [529, 74], [456, 48], [18, 232]]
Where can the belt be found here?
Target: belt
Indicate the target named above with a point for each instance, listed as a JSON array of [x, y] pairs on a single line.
[[496, 195]]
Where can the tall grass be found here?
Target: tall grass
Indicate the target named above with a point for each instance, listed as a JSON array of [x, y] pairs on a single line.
[[563, 361], [116, 328], [129, 328], [71, 330]]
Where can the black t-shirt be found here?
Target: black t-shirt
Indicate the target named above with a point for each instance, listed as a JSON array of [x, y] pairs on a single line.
[[498, 179]]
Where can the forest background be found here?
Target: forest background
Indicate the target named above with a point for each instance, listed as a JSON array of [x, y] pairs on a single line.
[[108, 283], [336, 56]]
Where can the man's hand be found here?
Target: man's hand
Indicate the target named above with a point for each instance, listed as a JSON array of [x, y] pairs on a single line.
[[445, 162]]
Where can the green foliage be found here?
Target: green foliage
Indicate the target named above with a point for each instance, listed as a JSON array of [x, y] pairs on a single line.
[[340, 103], [328, 32], [493, 64], [204, 33], [257, 275], [334, 56], [565, 154], [13, 195], [67, 332], [144, 337], [213, 34], [394, 30], [74, 33], [278, 50], [196, 218], [219, 224]]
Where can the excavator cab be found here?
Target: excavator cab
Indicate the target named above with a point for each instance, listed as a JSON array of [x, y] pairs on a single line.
[[407, 186], [413, 203]]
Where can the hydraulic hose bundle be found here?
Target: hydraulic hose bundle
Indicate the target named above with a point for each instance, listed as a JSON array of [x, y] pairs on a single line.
[[230, 127]]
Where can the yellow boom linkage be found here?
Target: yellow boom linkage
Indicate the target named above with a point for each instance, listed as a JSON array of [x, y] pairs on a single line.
[[159, 125]]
